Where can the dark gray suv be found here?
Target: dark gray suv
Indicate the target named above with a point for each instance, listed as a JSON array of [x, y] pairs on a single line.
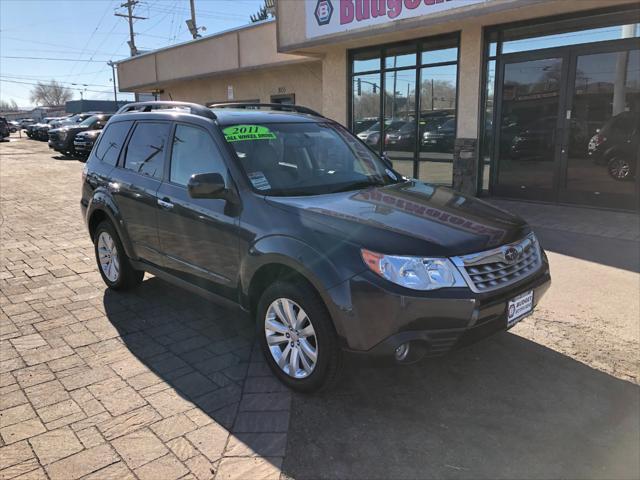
[[288, 215]]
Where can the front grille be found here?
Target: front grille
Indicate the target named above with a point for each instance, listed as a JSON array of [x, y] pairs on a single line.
[[491, 270]]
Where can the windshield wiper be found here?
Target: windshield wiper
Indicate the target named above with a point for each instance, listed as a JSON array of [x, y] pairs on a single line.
[[358, 186]]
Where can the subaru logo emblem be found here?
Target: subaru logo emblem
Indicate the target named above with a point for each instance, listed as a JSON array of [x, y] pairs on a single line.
[[511, 255]]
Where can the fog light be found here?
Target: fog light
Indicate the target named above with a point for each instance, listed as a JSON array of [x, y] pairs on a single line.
[[402, 352]]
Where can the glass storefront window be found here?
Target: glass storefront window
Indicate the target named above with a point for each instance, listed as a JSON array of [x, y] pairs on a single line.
[[437, 123], [366, 108], [366, 62], [564, 39], [414, 101], [562, 120], [400, 124], [442, 55], [397, 57]]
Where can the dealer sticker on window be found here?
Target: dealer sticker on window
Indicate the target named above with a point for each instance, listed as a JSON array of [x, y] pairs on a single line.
[[239, 133], [519, 307], [259, 181]]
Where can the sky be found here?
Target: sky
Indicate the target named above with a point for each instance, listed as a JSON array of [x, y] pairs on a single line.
[[82, 35]]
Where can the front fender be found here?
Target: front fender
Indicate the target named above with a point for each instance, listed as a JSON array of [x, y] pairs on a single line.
[[304, 259], [101, 201]]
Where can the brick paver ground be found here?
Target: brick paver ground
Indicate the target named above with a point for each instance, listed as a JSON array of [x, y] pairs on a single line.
[[154, 384]]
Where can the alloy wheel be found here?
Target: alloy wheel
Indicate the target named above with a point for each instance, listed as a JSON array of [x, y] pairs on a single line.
[[291, 338], [108, 257], [619, 169]]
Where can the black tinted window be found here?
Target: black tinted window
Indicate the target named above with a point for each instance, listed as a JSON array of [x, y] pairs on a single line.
[[194, 151], [145, 152], [111, 142]]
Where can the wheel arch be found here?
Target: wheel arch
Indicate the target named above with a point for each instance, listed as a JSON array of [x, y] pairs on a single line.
[[101, 208]]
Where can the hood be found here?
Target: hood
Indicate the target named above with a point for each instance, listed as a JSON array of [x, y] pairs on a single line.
[[410, 218]]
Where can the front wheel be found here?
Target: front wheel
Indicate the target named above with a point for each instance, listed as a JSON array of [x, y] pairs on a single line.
[[297, 337], [619, 169], [113, 263]]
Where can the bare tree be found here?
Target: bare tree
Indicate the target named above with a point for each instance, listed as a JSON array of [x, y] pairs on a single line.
[[267, 10], [8, 106], [50, 94]]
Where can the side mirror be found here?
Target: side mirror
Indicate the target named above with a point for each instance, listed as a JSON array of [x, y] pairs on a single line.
[[207, 185]]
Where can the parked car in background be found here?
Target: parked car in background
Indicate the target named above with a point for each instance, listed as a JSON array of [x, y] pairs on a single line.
[[25, 122], [372, 135], [13, 126], [363, 124], [290, 216], [62, 139], [31, 129], [616, 145], [440, 137], [404, 138], [4, 129], [84, 142]]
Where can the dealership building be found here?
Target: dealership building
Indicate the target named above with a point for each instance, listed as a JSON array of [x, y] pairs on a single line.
[[525, 99]]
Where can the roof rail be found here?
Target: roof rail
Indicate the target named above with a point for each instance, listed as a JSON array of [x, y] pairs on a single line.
[[272, 106], [194, 108]]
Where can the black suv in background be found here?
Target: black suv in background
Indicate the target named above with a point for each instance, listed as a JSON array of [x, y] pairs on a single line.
[[616, 145], [62, 139], [5, 131], [289, 215]]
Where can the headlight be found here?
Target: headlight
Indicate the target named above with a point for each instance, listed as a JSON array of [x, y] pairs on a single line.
[[416, 273], [62, 135]]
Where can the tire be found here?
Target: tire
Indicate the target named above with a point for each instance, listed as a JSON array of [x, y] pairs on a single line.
[[619, 169], [120, 275], [324, 341]]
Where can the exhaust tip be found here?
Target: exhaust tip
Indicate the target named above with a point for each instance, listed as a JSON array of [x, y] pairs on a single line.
[[410, 352]]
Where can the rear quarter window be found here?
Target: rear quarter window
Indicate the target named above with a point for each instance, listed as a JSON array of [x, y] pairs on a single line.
[[111, 142]]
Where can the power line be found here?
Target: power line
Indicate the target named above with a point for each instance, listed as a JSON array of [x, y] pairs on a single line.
[[70, 88], [49, 58], [84, 47], [16, 77]]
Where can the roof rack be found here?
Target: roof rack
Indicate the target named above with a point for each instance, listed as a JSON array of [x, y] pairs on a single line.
[[272, 106], [194, 108]]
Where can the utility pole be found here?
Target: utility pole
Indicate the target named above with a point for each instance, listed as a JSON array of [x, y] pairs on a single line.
[[131, 17], [115, 90], [191, 23]]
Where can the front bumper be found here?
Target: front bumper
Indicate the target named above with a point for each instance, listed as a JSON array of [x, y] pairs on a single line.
[[375, 317]]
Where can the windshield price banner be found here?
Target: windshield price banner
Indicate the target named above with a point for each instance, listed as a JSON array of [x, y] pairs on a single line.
[[325, 17], [238, 133]]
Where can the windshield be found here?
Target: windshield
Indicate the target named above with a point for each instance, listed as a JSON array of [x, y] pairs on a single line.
[[88, 122], [306, 159]]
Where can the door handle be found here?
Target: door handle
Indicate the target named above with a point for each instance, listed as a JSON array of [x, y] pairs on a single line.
[[165, 204]]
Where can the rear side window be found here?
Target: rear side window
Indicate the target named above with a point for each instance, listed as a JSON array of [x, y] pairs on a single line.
[[145, 151], [111, 142], [194, 151]]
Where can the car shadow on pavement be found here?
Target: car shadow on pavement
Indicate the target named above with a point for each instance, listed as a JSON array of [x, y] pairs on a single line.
[[62, 156], [204, 352], [504, 408]]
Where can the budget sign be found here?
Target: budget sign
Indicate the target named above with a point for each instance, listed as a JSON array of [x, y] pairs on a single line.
[[324, 17]]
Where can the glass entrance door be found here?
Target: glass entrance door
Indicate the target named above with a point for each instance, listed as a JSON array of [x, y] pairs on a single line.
[[568, 125], [529, 126], [603, 129]]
